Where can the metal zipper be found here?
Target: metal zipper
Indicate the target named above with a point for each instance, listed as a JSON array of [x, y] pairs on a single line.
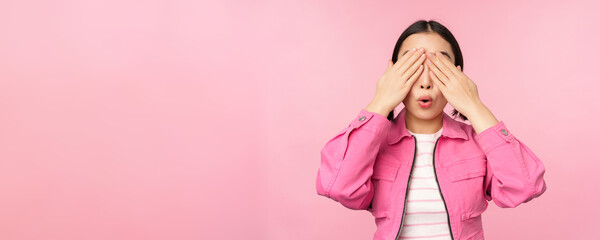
[[440, 188], [407, 183], [436, 180]]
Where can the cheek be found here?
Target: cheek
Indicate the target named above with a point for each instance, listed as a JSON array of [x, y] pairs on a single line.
[[442, 100], [410, 95], [440, 94]]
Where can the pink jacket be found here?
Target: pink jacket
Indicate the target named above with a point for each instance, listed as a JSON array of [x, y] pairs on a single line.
[[367, 166]]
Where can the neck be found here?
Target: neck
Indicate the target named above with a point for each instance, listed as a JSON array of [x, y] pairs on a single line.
[[423, 126]]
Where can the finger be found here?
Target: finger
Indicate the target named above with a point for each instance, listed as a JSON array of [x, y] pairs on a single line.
[[438, 82], [411, 70], [449, 66], [438, 73], [410, 61], [415, 76], [414, 60], [390, 65], [441, 66], [403, 58]]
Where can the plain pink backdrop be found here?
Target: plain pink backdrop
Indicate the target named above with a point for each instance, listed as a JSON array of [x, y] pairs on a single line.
[[205, 119]]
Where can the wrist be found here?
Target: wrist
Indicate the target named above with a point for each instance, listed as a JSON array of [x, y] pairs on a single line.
[[477, 108], [482, 119], [375, 107]]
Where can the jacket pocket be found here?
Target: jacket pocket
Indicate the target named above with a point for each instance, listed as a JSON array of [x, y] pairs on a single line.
[[468, 168], [467, 176], [384, 175]]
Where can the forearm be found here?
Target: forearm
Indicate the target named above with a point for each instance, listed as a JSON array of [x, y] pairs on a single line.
[[375, 107], [481, 118]]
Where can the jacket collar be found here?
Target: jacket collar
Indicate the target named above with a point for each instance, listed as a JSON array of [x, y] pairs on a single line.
[[451, 128]]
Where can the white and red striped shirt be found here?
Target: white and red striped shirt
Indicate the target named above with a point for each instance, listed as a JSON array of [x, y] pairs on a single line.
[[425, 215]]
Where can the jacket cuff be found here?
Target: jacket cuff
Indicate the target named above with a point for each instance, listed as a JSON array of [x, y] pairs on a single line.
[[494, 136], [371, 121]]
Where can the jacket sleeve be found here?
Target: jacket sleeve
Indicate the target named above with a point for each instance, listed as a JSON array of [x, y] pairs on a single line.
[[347, 161], [515, 174]]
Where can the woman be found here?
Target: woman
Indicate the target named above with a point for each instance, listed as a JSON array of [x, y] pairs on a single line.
[[423, 174]]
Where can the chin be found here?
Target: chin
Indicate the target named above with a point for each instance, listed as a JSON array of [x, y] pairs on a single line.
[[425, 113]]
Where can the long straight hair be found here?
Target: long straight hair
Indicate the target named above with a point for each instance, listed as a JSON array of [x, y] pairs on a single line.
[[431, 26]]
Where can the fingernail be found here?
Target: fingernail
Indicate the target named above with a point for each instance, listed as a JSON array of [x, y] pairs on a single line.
[[412, 50]]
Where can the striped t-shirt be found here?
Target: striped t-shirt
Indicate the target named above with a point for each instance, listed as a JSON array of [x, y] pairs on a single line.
[[425, 215]]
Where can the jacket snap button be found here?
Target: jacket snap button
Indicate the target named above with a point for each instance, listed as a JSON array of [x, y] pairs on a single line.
[[504, 132], [362, 118]]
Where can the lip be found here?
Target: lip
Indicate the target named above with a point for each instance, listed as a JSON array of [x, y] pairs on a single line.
[[427, 97], [427, 104]]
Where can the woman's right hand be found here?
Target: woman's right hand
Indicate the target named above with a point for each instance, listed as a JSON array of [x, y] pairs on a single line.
[[396, 82]]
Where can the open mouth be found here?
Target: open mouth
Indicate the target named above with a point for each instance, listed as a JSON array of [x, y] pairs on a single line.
[[425, 101]]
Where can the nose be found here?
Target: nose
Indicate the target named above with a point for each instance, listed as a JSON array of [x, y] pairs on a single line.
[[425, 81]]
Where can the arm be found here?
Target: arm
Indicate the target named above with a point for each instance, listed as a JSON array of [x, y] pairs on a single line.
[[515, 174], [347, 161]]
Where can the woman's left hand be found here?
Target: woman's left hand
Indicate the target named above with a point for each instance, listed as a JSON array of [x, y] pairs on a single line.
[[460, 91]]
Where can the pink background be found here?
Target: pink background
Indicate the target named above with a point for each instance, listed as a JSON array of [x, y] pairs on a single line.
[[204, 120]]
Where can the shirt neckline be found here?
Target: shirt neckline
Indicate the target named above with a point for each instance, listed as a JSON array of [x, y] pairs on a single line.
[[426, 134]]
